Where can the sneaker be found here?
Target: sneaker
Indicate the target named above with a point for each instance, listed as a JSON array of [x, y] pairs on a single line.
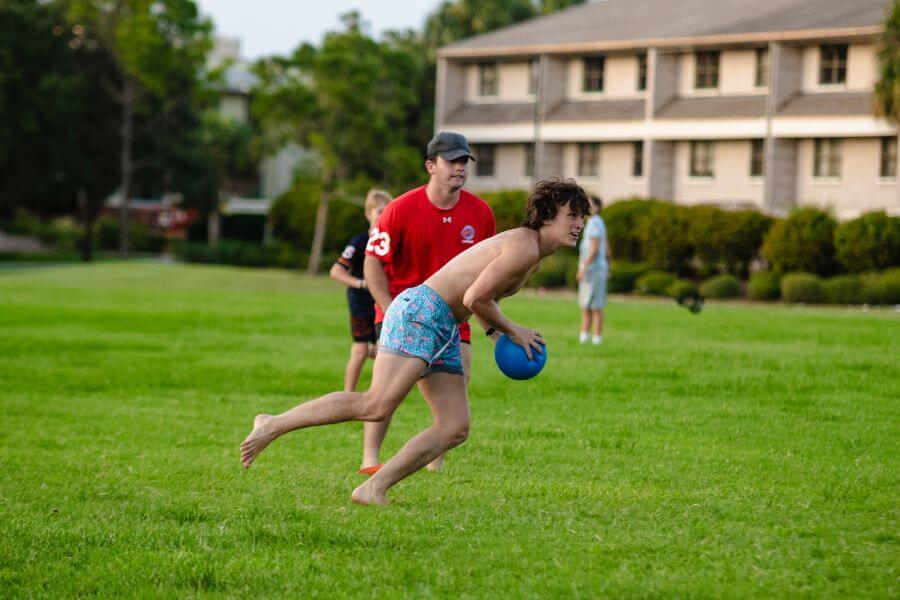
[[597, 340], [583, 338]]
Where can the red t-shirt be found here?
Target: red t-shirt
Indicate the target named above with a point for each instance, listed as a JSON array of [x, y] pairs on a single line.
[[413, 238]]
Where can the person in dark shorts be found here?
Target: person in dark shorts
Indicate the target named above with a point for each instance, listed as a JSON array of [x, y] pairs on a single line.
[[349, 270]]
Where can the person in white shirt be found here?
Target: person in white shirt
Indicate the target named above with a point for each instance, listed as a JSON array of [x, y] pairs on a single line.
[[594, 260]]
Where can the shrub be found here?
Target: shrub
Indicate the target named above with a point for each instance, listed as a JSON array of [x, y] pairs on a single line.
[[869, 242], [508, 207], [621, 220], [241, 254], [843, 289], [655, 283], [665, 237], [802, 287], [681, 287], [763, 285], [882, 288], [803, 242], [557, 270], [141, 238], [721, 286], [726, 241], [623, 275]]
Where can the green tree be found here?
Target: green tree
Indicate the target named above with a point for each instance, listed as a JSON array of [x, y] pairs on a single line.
[[887, 87], [156, 45]]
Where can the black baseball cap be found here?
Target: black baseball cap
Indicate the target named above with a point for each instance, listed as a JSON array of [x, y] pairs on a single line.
[[449, 146]]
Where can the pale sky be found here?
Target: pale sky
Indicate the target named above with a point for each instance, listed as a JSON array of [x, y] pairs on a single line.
[[277, 26]]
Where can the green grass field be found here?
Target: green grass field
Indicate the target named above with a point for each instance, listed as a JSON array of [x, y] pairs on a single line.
[[749, 451]]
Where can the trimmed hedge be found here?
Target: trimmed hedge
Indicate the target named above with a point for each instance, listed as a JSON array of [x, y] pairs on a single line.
[[241, 254], [721, 286], [508, 207], [726, 241], [882, 288], [843, 289], [557, 270], [802, 287], [868, 243], [623, 275], [655, 283], [665, 237], [681, 287], [804, 242], [764, 285]]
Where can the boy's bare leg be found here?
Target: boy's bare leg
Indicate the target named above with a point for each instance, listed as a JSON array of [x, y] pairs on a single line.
[[359, 351], [392, 378], [373, 436], [598, 322], [447, 397], [465, 351]]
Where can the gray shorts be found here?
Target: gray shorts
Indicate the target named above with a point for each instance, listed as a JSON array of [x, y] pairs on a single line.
[[592, 289]]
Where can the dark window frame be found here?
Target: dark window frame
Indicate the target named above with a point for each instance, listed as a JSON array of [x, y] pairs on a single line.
[[702, 159], [488, 79], [757, 158], [637, 159], [589, 159], [833, 64], [642, 72], [594, 69], [485, 159], [827, 158], [706, 70], [529, 160], [888, 159], [762, 67]]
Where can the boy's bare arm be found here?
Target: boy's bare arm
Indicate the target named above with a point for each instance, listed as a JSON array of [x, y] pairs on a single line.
[[377, 282]]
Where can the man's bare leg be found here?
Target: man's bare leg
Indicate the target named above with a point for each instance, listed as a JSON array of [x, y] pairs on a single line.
[[359, 351], [392, 378], [447, 397], [465, 351]]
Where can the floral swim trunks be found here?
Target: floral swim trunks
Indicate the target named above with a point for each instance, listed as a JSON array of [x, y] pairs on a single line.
[[419, 323]]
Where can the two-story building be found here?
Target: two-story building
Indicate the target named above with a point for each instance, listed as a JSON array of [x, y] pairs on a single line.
[[736, 103]]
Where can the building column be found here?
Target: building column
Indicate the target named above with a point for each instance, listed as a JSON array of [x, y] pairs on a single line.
[[450, 90], [551, 91], [659, 155], [780, 162]]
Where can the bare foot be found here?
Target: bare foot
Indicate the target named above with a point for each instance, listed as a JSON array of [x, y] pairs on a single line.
[[261, 436], [436, 464], [366, 495]]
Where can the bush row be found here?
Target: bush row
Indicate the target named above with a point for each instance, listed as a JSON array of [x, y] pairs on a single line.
[[66, 234], [243, 254]]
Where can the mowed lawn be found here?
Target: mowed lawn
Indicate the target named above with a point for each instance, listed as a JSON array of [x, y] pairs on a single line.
[[748, 451]]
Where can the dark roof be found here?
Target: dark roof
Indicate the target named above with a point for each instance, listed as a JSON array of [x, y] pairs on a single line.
[[635, 20], [714, 107], [479, 114], [598, 110], [839, 103]]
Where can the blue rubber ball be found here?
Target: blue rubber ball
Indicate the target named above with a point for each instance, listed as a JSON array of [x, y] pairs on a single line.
[[513, 361]]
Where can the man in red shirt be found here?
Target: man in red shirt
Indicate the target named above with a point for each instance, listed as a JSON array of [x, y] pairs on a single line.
[[417, 234]]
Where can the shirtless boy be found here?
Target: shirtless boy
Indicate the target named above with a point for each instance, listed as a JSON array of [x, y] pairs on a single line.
[[420, 338]]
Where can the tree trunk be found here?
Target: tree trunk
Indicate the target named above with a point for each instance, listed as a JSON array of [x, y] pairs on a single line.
[[315, 254], [87, 218], [128, 99]]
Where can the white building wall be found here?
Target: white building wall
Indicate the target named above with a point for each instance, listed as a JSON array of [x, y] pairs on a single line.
[[737, 73], [731, 184], [859, 188], [512, 83], [614, 180], [509, 170]]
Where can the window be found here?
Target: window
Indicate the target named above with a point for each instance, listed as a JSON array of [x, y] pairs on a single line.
[[529, 160], [637, 159], [762, 67], [701, 159], [707, 70], [757, 158], [833, 63], [827, 161], [487, 79], [588, 160], [642, 72], [888, 157], [484, 163], [593, 74], [534, 75]]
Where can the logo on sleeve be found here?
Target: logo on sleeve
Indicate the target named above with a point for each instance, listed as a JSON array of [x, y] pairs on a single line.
[[348, 252], [468, 234], [379, 242]]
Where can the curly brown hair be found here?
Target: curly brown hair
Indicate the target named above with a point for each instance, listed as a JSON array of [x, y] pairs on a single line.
[[546, 198]]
